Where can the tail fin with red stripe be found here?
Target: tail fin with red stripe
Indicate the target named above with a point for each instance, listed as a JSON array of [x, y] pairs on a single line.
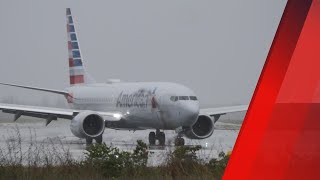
[[78, 75]]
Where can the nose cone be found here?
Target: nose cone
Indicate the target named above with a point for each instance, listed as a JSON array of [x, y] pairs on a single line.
[[190, 112]]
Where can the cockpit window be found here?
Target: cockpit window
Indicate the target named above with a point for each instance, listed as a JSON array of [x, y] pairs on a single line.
[[183, 97], [193, 98], [174, 98]]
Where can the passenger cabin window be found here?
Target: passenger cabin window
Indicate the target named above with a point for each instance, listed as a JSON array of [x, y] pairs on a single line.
[[174, 98], [183, 97], [193, 98]]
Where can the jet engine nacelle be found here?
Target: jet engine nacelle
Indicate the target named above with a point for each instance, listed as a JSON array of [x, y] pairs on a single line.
[[87, 124], [203, 128]]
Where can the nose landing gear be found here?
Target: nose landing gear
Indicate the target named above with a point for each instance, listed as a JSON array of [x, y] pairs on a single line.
[[160, 136]]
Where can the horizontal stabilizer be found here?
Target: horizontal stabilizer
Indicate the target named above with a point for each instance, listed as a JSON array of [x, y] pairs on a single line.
[[65, 93]]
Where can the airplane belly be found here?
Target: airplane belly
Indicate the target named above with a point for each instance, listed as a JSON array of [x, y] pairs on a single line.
[[144, 119]]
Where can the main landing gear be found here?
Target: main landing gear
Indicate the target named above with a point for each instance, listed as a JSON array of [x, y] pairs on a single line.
[[179, 141], [160, 136], [98, 140]]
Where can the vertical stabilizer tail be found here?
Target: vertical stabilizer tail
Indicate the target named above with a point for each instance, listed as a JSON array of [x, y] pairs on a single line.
[[78, 75]]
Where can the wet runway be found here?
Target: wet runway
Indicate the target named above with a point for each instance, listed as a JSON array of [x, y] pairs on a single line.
[[58, 133]]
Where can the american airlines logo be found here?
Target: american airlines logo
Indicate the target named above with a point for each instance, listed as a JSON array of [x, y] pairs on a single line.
[[138, 99]]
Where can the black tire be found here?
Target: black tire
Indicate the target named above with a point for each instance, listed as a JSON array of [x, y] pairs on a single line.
[[99, 139], [88, 141], [176, 142], [152, 138], [162, 139], [179, 141]]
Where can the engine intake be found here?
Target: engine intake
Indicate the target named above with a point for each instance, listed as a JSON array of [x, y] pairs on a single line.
[[203, 128], [87, 124]]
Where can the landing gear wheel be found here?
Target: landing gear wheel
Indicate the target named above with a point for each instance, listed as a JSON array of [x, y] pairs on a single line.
[[179, 141], [99, 139], [88, 141], [152, 138], [162, 138]]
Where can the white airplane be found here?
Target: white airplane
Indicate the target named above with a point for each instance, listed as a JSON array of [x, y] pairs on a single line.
[[123, 105]]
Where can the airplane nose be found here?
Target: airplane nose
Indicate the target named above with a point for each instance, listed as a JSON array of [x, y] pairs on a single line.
[[190, 114]]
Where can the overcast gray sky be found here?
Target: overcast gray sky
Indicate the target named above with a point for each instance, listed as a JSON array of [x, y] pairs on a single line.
[[217, 48]]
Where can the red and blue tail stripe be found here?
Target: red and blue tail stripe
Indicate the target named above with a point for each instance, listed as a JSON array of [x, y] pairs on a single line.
[[77, 73]]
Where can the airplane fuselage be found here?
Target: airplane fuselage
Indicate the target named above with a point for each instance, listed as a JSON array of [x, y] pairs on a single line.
[[143, 105]]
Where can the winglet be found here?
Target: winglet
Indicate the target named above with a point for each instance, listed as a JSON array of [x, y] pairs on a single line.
[[65, 93]]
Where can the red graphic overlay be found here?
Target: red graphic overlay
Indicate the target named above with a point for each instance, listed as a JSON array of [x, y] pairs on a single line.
[[276, 140]]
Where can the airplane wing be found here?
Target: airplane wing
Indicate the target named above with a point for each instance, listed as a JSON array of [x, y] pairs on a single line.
[[50, 114], [217, 112]]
